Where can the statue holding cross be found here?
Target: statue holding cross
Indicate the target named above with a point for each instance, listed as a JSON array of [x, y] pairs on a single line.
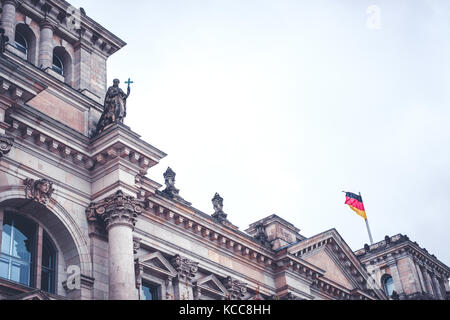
[[115, 107]]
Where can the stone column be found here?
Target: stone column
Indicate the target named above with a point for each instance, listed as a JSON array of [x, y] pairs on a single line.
[[437, 287], [9, 18], [119, 214], [420, 276], [46, 45], [392, 264], [428, 282]]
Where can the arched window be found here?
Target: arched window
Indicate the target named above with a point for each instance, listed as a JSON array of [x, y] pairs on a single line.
[[25, 42], [388, 285], [62, 64], [24, 247], [58, 65], [21, 43]]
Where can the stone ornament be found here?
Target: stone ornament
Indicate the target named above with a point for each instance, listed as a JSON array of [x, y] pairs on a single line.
[[218, 208], [171, 191], [236, 288], [169, 179], [117, 209], [40, 191], [136, 244], [6, 145], [261, 235], [187, 269]]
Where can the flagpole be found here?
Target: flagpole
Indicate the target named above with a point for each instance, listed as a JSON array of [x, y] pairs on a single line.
[[368, 227]]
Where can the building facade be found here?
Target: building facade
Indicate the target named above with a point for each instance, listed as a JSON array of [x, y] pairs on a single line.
[[79, 218]]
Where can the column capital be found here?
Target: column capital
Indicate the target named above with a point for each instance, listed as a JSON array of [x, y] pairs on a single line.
[[15, 3], [118, 209], [45, 24]]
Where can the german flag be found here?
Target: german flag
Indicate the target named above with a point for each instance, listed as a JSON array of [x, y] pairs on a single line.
[[356, 204]]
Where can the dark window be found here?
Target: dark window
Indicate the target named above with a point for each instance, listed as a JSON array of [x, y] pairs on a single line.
[[48, 265], [149, 291], [21, 43], [58, 65], [18, 249], [388, 284]]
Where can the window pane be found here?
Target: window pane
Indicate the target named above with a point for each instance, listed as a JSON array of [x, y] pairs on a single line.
[[150, 292], [58, 66], [23, 238], [389, 286], [4, 267], [20, 273], [17, 248], [6, 239], [45, 283], [21, 43], [48, 265]]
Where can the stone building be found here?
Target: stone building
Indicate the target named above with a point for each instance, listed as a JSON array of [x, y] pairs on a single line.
[[79, 218]]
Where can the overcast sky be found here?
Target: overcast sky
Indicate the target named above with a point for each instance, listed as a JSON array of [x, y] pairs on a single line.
[[281, 105]]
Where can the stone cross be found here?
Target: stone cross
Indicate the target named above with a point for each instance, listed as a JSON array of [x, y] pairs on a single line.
[[129, 82]]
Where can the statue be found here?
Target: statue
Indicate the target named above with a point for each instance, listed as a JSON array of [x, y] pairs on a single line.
[[115, 106]]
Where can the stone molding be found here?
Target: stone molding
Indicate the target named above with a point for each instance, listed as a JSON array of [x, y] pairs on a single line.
[[118, 209], [6, 144], [40, 191]]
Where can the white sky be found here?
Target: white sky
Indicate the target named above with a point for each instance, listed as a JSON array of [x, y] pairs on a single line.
[[281, 105]]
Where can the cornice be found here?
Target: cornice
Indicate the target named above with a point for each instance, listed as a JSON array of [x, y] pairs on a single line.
[[205, 230], [400, 245]]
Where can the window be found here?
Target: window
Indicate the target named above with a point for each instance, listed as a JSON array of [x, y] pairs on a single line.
[[58, 65], [149, 291], [19, 252], [21, 43], [388, 285], [18, 244], [48, 265]]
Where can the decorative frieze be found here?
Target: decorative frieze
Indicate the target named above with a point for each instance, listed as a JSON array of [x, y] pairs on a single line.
[[187, 269], [40, 190], [117, 209]]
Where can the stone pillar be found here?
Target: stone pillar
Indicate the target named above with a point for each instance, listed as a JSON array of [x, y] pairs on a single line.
[[428, 282], [46, 45], [119, 214], [420, 276], [9, 18], [392, 264], [438, 292]]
